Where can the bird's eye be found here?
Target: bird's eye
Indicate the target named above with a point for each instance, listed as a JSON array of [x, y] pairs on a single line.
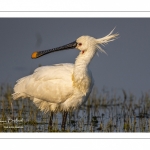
[[80, 44]]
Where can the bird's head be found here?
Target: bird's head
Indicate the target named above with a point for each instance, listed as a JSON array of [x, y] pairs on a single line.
[[83, 43]]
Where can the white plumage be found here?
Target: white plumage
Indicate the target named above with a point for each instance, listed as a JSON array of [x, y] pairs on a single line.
[[62, 87]]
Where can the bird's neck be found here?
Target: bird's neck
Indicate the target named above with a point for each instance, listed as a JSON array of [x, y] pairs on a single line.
[[81, 77], [84, 58]]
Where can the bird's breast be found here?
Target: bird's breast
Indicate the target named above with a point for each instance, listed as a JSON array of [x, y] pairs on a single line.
[[81, 83]]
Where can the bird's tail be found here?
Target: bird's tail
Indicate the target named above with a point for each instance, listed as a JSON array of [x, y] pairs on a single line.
[[19, 89], [106, 39], [16, 96]]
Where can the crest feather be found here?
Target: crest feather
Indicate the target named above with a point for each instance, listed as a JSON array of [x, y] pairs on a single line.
[[105, 40]]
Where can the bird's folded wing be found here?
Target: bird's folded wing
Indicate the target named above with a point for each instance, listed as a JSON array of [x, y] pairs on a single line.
[[49, 83]]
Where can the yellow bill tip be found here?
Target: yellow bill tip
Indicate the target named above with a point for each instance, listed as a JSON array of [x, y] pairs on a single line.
[[34, 55]]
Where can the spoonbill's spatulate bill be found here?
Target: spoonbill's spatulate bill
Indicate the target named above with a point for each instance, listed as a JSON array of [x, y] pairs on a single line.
[[62, 87]]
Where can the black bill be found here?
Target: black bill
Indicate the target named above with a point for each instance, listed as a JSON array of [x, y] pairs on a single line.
[[44, 52]]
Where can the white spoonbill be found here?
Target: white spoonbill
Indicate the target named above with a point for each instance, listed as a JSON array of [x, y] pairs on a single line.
[[62, 87]]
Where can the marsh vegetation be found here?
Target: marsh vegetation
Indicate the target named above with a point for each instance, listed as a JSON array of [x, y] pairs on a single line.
[[103, 112]]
